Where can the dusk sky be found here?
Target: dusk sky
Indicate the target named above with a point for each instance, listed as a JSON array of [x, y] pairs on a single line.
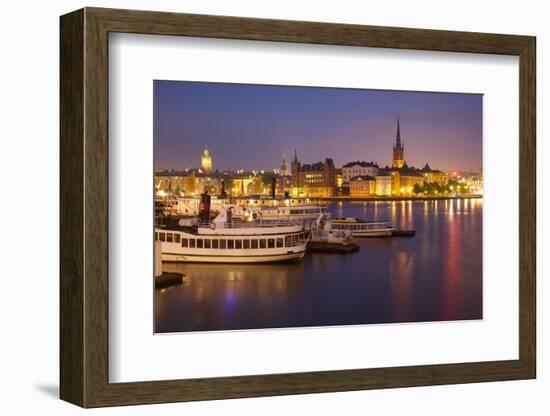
[[251, 126]]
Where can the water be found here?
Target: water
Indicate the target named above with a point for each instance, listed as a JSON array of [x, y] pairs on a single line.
[[434, 276]]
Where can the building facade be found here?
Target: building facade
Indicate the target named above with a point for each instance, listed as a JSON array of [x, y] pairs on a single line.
[[407, 178], [398, 182], [361, 186], [357, 168], [313, 180], [184, 183], [384, 182], [434, 176]]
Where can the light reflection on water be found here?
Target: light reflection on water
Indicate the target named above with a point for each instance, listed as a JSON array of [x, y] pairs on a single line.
[[433, 276]]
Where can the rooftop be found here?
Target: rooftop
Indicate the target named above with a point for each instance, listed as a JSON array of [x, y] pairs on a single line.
[[361, 163], [329, 163]]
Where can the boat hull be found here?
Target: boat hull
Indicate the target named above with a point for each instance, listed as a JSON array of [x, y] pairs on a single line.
[[205, 258], [373, 233]]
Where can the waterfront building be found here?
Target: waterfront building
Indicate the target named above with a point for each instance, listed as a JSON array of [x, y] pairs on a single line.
[[284, 168], [384, 182], [206, 161], [341, 189], [313, 180], [398, 149], [188, 182], [476, 184], [471, 181], [358, 168], [246, 185], [434, 176], [170, 182], [407, 178], [398, 182], [363, 185]]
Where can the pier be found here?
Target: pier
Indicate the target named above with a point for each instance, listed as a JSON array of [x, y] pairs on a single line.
[[167, 279]]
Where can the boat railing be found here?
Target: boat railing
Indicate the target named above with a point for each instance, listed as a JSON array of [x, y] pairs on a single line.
[[325, 234], [253, 224], [364, 224]]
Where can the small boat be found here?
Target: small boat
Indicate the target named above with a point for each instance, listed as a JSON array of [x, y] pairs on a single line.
[[325, 239], [306, 213], [361, 228], [225, 240]]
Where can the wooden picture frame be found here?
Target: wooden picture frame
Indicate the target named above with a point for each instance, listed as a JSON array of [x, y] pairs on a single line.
[[84, 207]]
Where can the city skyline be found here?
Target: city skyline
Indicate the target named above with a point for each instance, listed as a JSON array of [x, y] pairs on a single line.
[[251, 126]]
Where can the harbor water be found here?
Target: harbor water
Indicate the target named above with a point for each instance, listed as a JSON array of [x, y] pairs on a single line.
[[433, 276]]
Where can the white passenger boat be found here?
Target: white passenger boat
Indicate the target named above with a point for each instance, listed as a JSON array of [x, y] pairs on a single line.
[[225, 240], [308, 214], [360, 228]]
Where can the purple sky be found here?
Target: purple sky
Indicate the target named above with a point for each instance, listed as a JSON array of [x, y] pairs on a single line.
[[250, 126]]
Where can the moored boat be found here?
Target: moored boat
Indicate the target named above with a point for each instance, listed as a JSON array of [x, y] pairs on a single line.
[[325, 239], [361, 228], [225, 240]]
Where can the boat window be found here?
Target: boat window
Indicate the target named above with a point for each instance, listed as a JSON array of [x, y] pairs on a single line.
[[288, 241], [230, 244], [162, 236], [177, 238], [280, 242], [156, 236], [215, 243], [238, 244], [254, 243], [246, 244], [206, 243], [270, 243], [223, 244], [184, 242], [262, 243], [199, 243], [192, 243], [169, 237]]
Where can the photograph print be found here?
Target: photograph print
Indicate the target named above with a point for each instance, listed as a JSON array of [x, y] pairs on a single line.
[[291, 206]]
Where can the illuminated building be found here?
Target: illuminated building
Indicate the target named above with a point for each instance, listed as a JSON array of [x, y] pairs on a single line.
[[362, 186], [434, 175], [398, 182], [206, 161], [313, 180], [407, 178], [357, 168], [384, 182], [246, 185]]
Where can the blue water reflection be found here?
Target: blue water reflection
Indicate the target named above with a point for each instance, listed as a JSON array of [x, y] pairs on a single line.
[[434, 276]]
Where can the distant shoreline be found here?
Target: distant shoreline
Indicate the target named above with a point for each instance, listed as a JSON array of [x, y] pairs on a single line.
[[397, 198]]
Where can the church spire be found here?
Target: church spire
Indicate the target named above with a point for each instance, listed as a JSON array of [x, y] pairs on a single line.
[[398, 134], [398, 149]]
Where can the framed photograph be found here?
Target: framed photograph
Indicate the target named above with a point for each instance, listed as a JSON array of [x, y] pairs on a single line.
[[255, 207]]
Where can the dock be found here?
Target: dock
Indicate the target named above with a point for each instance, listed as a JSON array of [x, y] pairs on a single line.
[[403, 233], [316, 247], [167, 279]]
